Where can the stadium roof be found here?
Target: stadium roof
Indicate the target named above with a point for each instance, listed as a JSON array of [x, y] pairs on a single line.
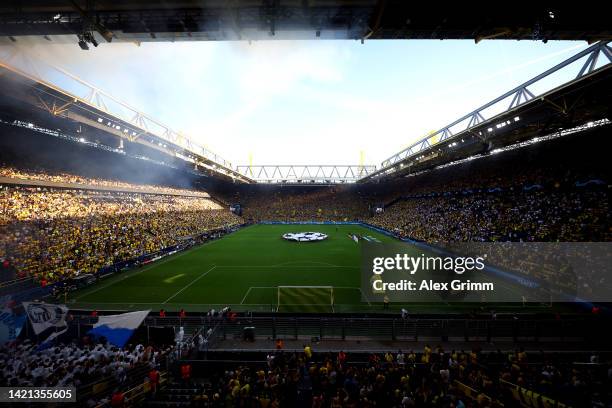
[[526, 112], [23, 86], [164, 20], [516, 116], [520, 114]]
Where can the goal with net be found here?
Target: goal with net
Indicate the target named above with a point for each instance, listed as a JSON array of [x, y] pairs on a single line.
[[306, 297]]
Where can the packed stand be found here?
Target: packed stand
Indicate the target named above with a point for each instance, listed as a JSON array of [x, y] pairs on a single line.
[[557, 190], [301, 204], [65, 178], [54, 234], [431, 378], [27, 365], [538, 216]]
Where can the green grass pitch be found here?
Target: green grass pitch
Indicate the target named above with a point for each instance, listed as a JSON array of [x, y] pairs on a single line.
[[244, 270]]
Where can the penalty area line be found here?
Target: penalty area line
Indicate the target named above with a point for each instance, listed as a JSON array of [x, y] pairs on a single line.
[[245, 295], [189, 284], [254, 287]]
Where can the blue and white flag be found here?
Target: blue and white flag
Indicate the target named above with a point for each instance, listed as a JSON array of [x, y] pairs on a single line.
[[118, 329]]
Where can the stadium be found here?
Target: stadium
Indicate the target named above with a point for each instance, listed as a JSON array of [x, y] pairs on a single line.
[[174, 231]]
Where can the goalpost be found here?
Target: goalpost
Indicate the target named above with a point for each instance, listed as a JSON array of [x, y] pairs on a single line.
[[305, 296]]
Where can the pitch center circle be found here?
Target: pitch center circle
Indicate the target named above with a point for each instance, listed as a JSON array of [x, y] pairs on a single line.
[[305, 236]]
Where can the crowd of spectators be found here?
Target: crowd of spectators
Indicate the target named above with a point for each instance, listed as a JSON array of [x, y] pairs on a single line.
[[554, 191], [545, 205], [432, 378], [75, 364], [54, 234], [66, 178], [301, 204], [538, 216]]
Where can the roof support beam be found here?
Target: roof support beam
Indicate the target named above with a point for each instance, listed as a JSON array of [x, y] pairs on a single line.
[[519, 96]]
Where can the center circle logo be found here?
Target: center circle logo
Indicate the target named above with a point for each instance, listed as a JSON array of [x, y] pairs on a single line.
[[305, 236]]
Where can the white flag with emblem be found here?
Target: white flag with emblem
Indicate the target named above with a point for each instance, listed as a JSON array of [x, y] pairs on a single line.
[[43, 316]]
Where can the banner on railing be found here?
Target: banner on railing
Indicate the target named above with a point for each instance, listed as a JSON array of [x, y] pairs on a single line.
[[531, 399], [470, 392]]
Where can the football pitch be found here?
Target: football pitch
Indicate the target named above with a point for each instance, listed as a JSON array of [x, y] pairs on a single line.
[[253, 269]]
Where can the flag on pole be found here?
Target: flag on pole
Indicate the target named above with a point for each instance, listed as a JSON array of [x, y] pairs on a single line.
[[44, 316], [48, 321]]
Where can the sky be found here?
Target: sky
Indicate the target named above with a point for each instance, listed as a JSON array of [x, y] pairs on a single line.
[[306, 102]]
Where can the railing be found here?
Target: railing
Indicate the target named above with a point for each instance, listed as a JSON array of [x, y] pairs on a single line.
[[137, 393], [461, 329], [15, 285], [474, 395], [511, 328]]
